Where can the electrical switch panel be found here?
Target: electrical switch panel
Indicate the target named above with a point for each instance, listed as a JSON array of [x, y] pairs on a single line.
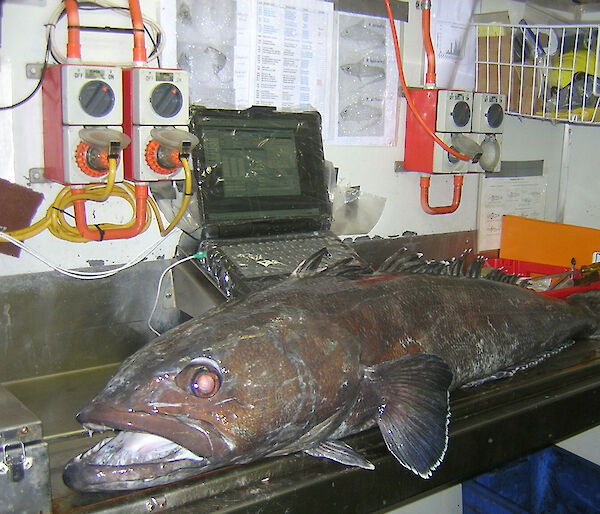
[[91, 95], [470, 123], [158, 96], [488, 113], [454, 110], [156, 118], [445, 162], [76, 97]]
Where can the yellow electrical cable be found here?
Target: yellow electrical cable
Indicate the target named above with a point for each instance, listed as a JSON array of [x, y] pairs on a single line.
[[57, 225], [102, 193], [63, 230], [187, 192], [55, 221]]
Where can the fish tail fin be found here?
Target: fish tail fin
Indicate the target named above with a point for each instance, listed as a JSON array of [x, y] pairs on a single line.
[[590, 301]]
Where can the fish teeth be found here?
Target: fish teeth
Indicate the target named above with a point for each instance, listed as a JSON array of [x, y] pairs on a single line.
[[95, 427]]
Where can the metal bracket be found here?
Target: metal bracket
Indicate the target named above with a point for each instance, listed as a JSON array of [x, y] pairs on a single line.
[[33, 70], [36, 176]]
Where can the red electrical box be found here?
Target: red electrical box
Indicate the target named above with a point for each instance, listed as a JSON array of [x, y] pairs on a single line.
[[418, 145], [445, 112], [155, 105], [76, 97]]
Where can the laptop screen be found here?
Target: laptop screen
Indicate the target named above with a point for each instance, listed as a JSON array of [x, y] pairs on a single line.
[[259, 166]]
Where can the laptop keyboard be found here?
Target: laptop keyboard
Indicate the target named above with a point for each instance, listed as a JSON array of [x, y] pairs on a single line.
[[242, 266], [274, 257]]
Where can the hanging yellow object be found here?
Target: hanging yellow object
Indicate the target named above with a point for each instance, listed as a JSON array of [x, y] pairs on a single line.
[[561, 72]]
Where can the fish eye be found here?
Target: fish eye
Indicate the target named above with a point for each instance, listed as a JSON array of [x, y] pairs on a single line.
[[201, 378], [205, 383]]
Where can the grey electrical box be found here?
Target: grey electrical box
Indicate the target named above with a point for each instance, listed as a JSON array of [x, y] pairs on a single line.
[[24, 468]]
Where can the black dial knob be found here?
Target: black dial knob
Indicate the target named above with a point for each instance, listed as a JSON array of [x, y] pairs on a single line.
[[96, 98], [495, 115], [461, 114], [166, 100]]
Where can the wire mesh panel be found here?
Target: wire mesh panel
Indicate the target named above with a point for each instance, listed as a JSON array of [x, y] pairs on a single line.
[[549, 72]]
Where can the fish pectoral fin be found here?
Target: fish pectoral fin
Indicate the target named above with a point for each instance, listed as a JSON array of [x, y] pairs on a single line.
[[413, 409], [340, 452]]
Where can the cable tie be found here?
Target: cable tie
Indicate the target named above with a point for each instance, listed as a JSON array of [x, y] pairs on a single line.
[[188, 194], [102, 232], [63, 211], [105, 29]]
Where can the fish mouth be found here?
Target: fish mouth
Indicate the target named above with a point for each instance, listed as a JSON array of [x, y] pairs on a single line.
[[147, 450], [131, 460]]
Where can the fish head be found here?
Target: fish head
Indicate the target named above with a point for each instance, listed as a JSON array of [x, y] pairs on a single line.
[[209, 395]]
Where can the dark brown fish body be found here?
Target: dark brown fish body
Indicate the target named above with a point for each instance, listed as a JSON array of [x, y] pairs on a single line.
[[316, 358]]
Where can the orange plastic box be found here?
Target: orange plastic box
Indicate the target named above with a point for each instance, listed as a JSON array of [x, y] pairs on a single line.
[[545, 242]]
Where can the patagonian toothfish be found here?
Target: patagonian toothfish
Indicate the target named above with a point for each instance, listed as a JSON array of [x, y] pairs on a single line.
[[305, 363]]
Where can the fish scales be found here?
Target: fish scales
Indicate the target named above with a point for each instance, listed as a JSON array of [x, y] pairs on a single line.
[[316, 358], [461, 324]]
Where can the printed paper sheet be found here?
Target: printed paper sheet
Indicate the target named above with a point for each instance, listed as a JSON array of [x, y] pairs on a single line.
[[519, 196]]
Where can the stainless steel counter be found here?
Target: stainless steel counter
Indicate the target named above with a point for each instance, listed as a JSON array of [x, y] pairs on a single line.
[[490, 424]]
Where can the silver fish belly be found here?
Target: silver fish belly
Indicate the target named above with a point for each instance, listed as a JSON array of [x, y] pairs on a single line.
[[307, 362]]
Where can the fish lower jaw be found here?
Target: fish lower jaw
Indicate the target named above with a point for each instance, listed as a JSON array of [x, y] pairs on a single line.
[[134, 448], [131, 460]]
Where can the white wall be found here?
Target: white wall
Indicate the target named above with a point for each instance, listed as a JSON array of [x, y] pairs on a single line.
[[23, 41], [370, 167], [582, 205]]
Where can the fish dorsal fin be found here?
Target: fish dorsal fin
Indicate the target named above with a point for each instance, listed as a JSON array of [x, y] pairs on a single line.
[[340, 452], [413, 409], [347, 267], [405, 261], [310, 264], [398, 260]]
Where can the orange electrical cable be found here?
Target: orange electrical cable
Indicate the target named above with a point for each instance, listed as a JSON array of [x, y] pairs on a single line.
[[73, 43], [94, 234], [442, 209], [409, 101], [429, 51], [139, 44]]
